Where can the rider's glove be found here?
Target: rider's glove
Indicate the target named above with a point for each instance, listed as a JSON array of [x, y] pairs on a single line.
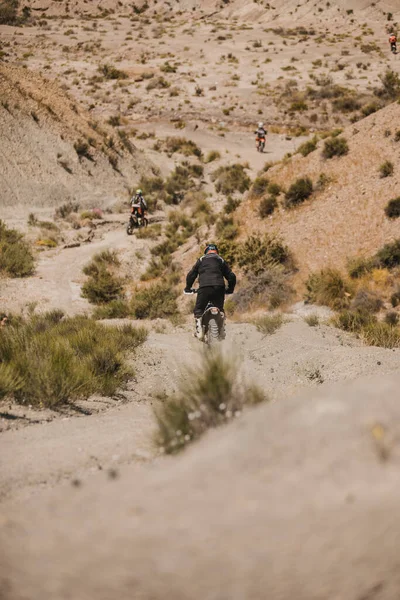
[[228, 291]]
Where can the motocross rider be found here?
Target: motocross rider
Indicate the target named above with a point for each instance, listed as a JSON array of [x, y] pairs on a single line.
[[138, 204], [211, 270], [261, 133]]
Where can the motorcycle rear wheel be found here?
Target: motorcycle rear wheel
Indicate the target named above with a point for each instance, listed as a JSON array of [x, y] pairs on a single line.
[[212, 332]]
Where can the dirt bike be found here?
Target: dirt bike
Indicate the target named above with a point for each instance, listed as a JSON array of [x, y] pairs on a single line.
[[135, 222], [260, 144], [212, 322]]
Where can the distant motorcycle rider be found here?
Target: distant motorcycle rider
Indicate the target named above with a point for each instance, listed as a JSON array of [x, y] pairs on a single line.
[[393, 42], [211, 269], [261, 133], [138, 204]]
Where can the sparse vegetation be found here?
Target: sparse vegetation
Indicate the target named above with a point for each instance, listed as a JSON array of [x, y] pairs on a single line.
[[230, 179], [181, 145], [16, 258], [212, 155], [312, 320], [307, 147], [335, 146], [50, 360], [267, 206], [111, 72], [156, 301], [258, 253], [268, 324], [392, 209], [102, 285], [386, 169], [327, 287], [298, 192], [210, 395]]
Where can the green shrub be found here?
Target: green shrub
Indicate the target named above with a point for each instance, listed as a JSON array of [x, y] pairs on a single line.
[[346, 104], [230, 179], [259, 187], [298, 192], [116, 309], [158, 83], [357, 267], [258, 253], [102, 285], [210, 395], [155, 301], [392, 318], [267, 206], [353, 320], [212, 155], [327, 287], [389, 255], [312, 320], [8, 12], [16, 259], [392, 209], [65, 210], [48, 361], [232, 204], [395, 297], [183, 146], [390, 85], [386, 169], [336, 146], [111, 72], [82, 149], [307, 147], [226, 228], [268, 324], [229, 250], [381, 334]]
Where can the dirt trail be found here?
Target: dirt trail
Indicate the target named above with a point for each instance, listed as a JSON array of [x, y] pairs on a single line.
[[74, 447]]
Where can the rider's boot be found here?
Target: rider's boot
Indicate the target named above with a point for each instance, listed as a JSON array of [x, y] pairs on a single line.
[[199, 329]]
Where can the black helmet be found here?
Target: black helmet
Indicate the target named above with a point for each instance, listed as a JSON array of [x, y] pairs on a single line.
[[211, 248]]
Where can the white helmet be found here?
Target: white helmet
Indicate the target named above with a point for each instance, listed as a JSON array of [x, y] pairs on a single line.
[[261, 124]]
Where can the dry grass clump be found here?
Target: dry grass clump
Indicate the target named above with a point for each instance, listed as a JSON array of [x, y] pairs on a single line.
[[102, 285], [268, 324], [257, 253], [48, 360], [181, 145], [8, 12], [63, 211], [307, 147], [392, 209], [271, 288], [16, 259], [335, 146], [230, 179], [328, 288], [212, 155], [155, 301], [210, 395], [110, 72], [386, 169], [381, 334], [267, 206], [298, 192], [312, 320]]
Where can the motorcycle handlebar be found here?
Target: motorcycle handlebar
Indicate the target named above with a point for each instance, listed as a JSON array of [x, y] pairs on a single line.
[[195, 291]]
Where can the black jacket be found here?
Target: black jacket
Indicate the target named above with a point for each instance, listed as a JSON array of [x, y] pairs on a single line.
[[211, 270]]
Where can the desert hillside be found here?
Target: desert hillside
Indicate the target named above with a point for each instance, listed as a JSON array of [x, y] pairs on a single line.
[[344, 217], [53, 151]]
